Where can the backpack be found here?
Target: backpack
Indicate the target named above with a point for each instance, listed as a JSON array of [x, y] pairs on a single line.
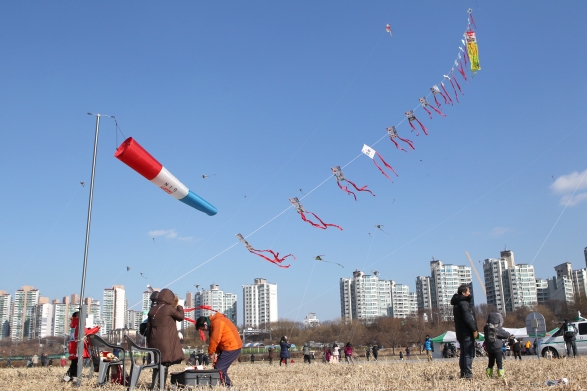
[[491, 332], [569, 330]]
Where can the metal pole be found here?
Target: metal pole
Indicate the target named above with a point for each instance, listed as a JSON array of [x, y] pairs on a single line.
[[82, 315]]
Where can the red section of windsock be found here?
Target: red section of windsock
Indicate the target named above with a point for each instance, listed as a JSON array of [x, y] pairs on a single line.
[[136, 157]]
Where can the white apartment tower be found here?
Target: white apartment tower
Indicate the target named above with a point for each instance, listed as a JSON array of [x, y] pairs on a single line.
[[23, 313], [445, 280], [5, 307], [225, 303], [366, 297], [43, 321], [259, 303], [402, 301], [510, 286], [114, 309], [423, 292]]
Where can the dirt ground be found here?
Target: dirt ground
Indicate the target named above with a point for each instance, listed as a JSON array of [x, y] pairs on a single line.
[[396, 375]]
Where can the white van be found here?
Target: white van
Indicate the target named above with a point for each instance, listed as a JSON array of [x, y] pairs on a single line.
[[555, 344]]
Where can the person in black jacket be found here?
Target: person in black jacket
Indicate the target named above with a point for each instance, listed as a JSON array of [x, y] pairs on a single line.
[[465, 328]]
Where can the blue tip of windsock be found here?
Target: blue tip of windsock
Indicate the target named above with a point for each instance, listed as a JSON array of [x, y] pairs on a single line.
[[195, 201]]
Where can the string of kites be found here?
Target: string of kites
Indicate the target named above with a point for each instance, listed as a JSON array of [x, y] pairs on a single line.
[[136, 157]]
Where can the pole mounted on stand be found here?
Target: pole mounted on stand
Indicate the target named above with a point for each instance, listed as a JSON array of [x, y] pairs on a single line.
[[82, 312]]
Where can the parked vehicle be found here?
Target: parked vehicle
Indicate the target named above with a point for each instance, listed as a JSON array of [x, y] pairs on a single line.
[[555, 344]]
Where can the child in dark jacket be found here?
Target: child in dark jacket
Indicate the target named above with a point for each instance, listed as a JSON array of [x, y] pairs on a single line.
[[494, 334]]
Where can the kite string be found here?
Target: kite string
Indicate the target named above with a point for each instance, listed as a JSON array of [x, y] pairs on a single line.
[[304, 296], [559, 217], [326, 180]]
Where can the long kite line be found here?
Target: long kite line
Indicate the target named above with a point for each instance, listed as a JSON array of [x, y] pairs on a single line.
[[409, 116]]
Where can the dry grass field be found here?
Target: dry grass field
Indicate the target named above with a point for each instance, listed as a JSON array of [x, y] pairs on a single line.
[[420, 375]]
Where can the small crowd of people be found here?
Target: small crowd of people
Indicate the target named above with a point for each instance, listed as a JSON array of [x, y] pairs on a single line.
[[332, 355]]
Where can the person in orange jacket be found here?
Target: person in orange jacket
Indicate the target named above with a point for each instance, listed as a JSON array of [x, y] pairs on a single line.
[[225, 342]]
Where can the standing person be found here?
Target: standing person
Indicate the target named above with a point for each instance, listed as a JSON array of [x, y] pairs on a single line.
[[570, 337], [225, 342], [306, 353], [375, 350], [408, 353], [494, 337], [271, 350], [428, 346], [466, 328], [50, 362], [43, 359], [348, 353], [368, 353], [9, 363], [327, 355], [401, 355], [335, 354], [517, 348], [35, 360], [284, 352], [162, 330], [252, 358], [63, 362], [74, 323]]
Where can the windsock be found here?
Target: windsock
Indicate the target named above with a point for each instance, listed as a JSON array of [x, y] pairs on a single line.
[[136, 157]]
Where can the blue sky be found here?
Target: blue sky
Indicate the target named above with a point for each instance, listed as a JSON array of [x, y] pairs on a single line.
[[265, 97]]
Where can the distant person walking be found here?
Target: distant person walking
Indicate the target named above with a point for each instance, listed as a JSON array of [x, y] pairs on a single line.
[[517, 348], [348, 353], [271, 353], [368, 353], [466, 329], [570, 337], [252, 358], [375, 350], [284, 352], [306, 353], [428, 347], [408, 353], [335, 354]]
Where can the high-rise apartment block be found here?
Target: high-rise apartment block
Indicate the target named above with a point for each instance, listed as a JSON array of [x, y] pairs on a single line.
[[259, 303], [5, 314], [225, 303], [423, 292], [366, 297], [445, 280], [23, 313], [114, 309], [510, 286]]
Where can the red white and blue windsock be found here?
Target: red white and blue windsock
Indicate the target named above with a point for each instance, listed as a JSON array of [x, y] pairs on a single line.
[[136, 157]]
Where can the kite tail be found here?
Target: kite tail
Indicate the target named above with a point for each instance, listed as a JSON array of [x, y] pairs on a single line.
[[437, 102], [276, 260], [464, 55], [383, 172], [438, 111], [423, 127], [364, 188], [456, 81], [202, 335], [189, 320], [325, 224], [405, 140], [413, 128], [311, 222], [455, 90], [397, 145], [385, 163], [462, 71], [428, 111], [447, 94], [346, 189]]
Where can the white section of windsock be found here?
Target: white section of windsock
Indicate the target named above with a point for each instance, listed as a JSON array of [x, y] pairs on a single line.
[[170, 184]]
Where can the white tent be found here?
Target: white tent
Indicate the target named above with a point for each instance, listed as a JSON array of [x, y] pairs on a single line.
[[518, 333]]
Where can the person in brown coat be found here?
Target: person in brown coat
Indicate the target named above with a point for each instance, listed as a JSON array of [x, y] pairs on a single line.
[[162, 326]]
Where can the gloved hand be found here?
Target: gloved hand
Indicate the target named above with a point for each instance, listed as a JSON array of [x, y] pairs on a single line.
[[475, 334]]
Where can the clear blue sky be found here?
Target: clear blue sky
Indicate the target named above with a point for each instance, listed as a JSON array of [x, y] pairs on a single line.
[[268, 96]]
